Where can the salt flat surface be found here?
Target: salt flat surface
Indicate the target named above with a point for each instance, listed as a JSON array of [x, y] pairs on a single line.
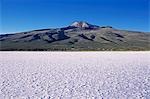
[[74, 75]]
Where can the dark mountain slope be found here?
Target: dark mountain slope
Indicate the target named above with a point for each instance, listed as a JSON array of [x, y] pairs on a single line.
[[78, 36]]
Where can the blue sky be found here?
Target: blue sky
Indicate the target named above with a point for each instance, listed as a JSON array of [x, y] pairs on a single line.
[[24, 15]]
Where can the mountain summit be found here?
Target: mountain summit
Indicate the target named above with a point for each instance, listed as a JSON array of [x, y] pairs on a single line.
[[79, 36], [82, 24]]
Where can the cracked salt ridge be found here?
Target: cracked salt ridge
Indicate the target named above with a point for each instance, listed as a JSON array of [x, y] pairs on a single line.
[[74, 75]]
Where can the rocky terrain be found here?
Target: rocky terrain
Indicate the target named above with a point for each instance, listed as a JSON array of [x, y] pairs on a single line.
[[79, 36]]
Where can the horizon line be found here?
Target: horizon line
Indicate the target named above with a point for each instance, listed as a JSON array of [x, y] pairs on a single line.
[[26, 30]]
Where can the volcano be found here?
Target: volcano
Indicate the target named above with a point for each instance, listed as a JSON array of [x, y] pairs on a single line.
[[79, 36]]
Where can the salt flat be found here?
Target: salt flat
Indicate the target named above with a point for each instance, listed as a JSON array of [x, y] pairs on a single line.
[[74, 75]]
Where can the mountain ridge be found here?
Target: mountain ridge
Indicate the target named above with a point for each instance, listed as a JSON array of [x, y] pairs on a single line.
[[79, 36]]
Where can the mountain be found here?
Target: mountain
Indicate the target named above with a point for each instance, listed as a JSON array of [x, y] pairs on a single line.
[[79, 36]]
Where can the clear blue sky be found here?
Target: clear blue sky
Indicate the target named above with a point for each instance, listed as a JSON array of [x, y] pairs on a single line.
[[24, 15]]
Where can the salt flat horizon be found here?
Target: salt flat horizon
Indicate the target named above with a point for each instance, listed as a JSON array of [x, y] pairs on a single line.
[[74, 75], [82, 51]]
